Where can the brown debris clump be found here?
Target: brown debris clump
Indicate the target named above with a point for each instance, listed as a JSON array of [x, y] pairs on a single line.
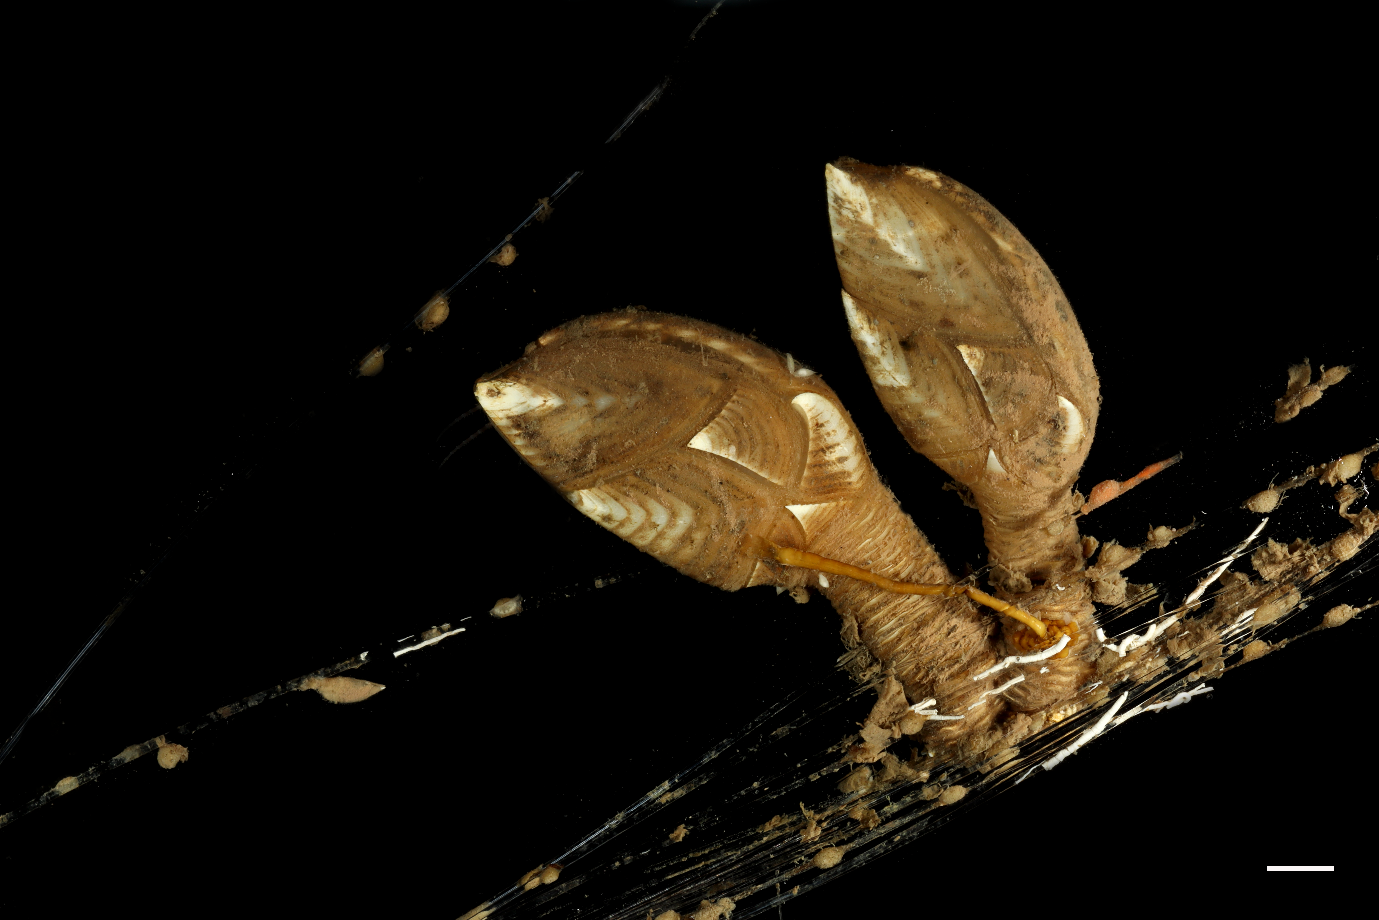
[[856, 781], [1108, 584], [1302, 392], [892, 769], [1264, 502], [170, 755], [543, 874], [952, 795], [812, 826], [435, 312], [714, 910], [342, 689], [884, 722], [867, 817], [828, 857], [1339, 470], [1161, 536], [371, 365], [1273, 559], [1342, 613]]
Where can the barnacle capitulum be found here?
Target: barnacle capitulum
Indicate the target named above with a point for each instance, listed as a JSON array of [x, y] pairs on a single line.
[[972, 348], [739, 466], [697, 444], [977, 356]]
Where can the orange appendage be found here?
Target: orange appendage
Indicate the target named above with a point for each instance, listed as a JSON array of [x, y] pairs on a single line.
[[785, 555], [1027, 640], [1103, 492]]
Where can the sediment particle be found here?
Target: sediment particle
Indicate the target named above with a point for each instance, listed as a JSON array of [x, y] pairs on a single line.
[[1256, 649], [867, 817], [892, 769], [170, 755], [912, 723], [1273, 558], [533, 878], [505, 256], [998, 758], [856, 781], [1263, 502], [811, 830], [952, 795], [1161, 536], [342, 689], [130, 753], [1301, 392], [1338, 615], [828, 857], [1271, 611], [713, 910], [1341, 469], [435, 312], [372, 363]]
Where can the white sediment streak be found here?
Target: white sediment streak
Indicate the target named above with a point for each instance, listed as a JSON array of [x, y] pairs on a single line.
[[1178, 700], [1216, 573], [1001, 689], [1133, 641], [432, 641], [1088, 735], [1026, 659], [1241, 622], [922, 709]]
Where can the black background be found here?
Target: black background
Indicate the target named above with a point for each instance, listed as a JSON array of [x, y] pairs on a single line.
[[224, 224]]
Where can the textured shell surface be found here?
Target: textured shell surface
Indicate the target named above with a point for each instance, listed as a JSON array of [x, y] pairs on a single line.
[[698, 455], [972, 348], [681, 437], [1205, 244]]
